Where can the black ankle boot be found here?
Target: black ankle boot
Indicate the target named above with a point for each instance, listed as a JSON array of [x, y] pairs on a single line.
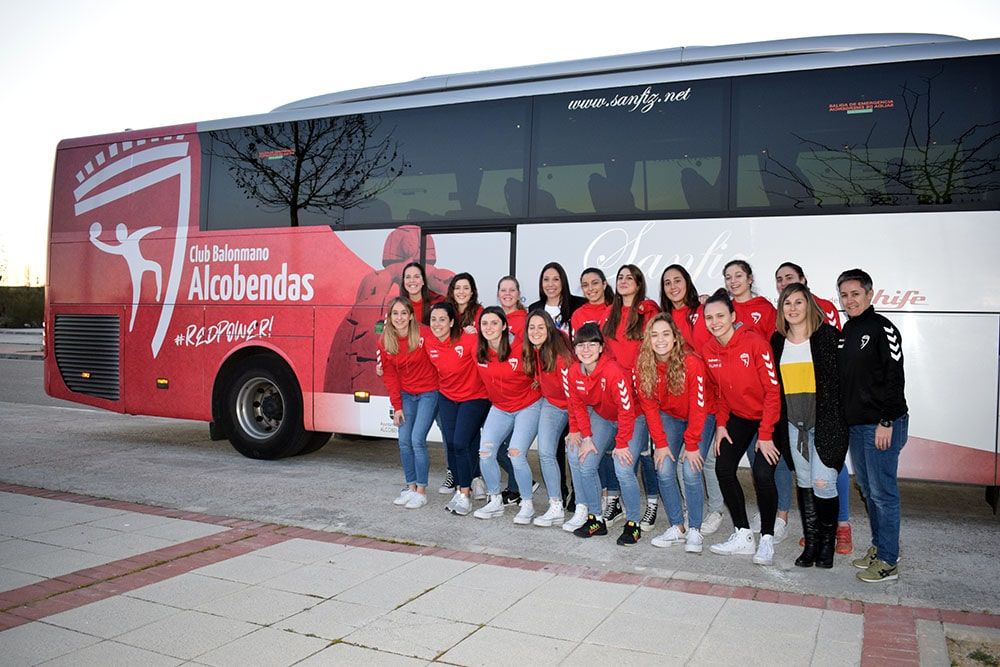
[[810, 527], [826, 513]]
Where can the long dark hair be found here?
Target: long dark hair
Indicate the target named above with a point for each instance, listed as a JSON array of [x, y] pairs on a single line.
[[425, 291], [690, 293], [565, 307], [556, 346], [608, 294], [633, 328], [503, 348], [721, 295], [467, 318], [456, 331]]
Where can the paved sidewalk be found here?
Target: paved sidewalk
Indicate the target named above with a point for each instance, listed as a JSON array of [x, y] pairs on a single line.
[[21, 344], [85, 581]]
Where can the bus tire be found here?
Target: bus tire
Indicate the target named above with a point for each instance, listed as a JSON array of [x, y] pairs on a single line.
[[316, 442], [262, 409]]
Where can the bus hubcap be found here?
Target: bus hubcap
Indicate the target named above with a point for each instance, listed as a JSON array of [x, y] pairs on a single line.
[[259, 408]]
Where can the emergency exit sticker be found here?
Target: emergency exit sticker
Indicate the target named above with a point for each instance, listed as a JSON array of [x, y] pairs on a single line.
[[861, 106]]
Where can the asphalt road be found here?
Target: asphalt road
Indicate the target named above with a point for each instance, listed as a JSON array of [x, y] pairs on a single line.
[[950, 537]]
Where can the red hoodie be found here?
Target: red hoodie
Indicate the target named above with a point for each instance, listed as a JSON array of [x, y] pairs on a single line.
[[626, 350], [747, 380], [608, 389], [517, 321], [589, 312], [830, 313], [456, 365], [553, 384], [507, 386], [758, 314], [407, 371], [696, 333], [691, 405]]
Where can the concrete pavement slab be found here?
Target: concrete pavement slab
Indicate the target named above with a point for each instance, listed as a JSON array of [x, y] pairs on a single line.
[[259, 605], [672, 606], [386, 591], [460, 603], [303, 551], [109, 618], [112, 654], [187, 634], [501, 579], [584, 592], [265, 647], [411, 634], [320, 579], [11, 579], [187, 591], [645, 633], [348, 654], [497, 646], [331, 619], [56, 563], [35, 643], [593, 654], [546, 618], [249, 569]]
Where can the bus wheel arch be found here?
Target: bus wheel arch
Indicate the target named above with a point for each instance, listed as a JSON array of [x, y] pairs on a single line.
[[257, 403]]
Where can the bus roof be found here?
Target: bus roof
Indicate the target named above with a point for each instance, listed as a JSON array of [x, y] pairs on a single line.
[[686, 55]]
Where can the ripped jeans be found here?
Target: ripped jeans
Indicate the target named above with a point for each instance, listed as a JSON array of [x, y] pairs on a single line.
[[522, 427]]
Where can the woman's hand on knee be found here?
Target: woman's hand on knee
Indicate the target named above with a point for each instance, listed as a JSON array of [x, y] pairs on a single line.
[[623, 456], [770, 452], [661, 454]]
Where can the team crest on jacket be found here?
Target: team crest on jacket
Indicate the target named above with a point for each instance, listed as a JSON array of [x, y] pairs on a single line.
[[604, 384], [864, 341], [745, 358], [513, 363], [460, 350], [755, 316]]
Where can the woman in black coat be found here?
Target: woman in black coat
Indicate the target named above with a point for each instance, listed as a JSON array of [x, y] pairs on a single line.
[[812, 431], [554, 297]]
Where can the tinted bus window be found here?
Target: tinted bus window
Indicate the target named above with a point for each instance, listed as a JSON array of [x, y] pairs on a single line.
[[911, 134], [651, 148], [461, 162]]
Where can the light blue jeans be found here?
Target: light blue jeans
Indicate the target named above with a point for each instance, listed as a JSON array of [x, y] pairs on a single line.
[[715, 500], [521, 427], [551, 422], [876, 470], [667, 474], [419, 411], [589, 490], [811, 474], [627, 479]]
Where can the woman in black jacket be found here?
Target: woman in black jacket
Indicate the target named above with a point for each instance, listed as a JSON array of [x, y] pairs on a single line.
[[554, 297], [812, 431]]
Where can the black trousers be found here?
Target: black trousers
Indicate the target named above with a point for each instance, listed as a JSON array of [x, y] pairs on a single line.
[[741, 432]]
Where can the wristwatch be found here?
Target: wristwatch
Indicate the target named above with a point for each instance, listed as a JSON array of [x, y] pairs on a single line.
[[887, 423]]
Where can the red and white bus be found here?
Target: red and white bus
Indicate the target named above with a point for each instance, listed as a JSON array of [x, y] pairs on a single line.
[[235, 271]]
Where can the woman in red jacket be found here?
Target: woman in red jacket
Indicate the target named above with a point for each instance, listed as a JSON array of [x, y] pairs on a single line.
[[509, 298], [464, 298], [599, 296], [547, 358], [679, 297], [411, 382], [749, 403], [416, 291], [752, 311], [602, 413], [673, 396], [463, 403], [623, 330], [517, 402]]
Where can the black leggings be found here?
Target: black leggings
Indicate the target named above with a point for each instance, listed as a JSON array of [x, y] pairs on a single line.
[[741, 432]]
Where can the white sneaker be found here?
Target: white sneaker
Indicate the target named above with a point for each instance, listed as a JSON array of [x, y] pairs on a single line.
[[755, 522], [526, 514], [463, 504], [492, 509], [403, 497], [765, 552], [554, 516], [448, 485], [478, 489], [694, 541], [579, 518], [741, 542], [416, 501], [673, 535], [450, 507], [711, 523], [780, 530]]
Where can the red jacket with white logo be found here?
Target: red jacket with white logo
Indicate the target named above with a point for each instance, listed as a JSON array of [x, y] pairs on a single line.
[[553, 384], [507, 386], [407, 371], [608, 389], [830, 313], [626, 350], [455, 364], [517, 322], [695, 334], [757, 314], [691, 404], [589, 312], [747, 379]]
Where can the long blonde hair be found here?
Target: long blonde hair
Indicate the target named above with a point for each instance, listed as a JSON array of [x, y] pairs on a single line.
[[645, 367], [814, 316], [390, 340]]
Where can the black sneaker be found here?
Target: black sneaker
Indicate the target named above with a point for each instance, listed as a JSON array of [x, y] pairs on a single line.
[[630, 534], [593, 526], [510, 497], [649, 517], [613, 510]]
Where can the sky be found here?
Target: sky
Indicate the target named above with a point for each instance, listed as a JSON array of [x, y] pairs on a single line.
[[71, 68]]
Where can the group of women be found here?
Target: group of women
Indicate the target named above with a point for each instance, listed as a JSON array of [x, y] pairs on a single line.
[[675, 392]]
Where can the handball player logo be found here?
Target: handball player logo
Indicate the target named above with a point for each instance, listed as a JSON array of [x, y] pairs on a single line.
[[755, 316], [118, 171], [745, 358]]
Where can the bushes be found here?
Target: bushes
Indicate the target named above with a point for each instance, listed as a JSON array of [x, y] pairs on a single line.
[[22, 306]]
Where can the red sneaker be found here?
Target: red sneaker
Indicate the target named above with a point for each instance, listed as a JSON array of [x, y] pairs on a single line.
[[845, 543]]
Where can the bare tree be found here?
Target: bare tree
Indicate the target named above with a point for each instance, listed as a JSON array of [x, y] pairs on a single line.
[[322, 164]]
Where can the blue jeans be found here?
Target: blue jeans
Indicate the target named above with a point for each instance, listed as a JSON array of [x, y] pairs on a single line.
[[811, 473], [551, 423], [462, 422], [419, 411], [521, 427], [875, 470], [782, 478], [589, 490], [844, 494], [609, 473], [627, 480], [667, 475], [715, 501]]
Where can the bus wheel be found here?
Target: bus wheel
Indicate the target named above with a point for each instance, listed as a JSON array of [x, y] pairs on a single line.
[[263, 410], [316, 442]]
